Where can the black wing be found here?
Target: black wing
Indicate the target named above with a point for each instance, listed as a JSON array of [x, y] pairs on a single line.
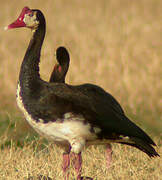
[[98, 107], [99, 110]]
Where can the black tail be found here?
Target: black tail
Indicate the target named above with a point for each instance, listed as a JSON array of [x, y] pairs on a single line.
[[143, 146]]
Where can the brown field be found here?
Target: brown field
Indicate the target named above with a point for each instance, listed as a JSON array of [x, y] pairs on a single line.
[[114, 44], [128, 163]]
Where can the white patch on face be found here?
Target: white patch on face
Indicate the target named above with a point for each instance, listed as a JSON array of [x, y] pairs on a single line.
[[31, 21]]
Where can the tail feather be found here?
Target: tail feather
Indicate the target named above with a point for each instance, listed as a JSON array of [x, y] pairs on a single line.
[[143, 146]]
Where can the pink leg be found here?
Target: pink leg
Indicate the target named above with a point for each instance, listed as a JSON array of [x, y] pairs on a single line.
[[77, 163], [108, 155], [66, 164]]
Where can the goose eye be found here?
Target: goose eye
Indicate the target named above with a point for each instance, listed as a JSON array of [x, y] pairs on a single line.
[[31, 14]]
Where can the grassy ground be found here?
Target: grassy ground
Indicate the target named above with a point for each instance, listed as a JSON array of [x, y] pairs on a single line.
[[115, 44], [32, 160]]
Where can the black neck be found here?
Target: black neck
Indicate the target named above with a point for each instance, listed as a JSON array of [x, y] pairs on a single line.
[[65, 68], [58, 76], [29, 73]]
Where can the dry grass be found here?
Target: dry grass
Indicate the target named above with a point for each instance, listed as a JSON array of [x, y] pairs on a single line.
[[31, 161], [115, 44]]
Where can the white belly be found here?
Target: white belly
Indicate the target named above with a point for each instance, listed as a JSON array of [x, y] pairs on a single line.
[[61, 131]]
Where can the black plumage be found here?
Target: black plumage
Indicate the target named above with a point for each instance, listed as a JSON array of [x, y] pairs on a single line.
[[96, 112], [60, 69], [50, 101]]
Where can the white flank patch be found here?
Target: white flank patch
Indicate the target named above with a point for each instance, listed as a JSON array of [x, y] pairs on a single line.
[[72, 130], [97, 130]]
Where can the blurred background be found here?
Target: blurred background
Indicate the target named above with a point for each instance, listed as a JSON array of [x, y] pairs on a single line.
[[114, 44]]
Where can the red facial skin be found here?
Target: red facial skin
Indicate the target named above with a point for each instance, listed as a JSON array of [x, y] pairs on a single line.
[[60, 69], [57, 67], [19, 21]]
